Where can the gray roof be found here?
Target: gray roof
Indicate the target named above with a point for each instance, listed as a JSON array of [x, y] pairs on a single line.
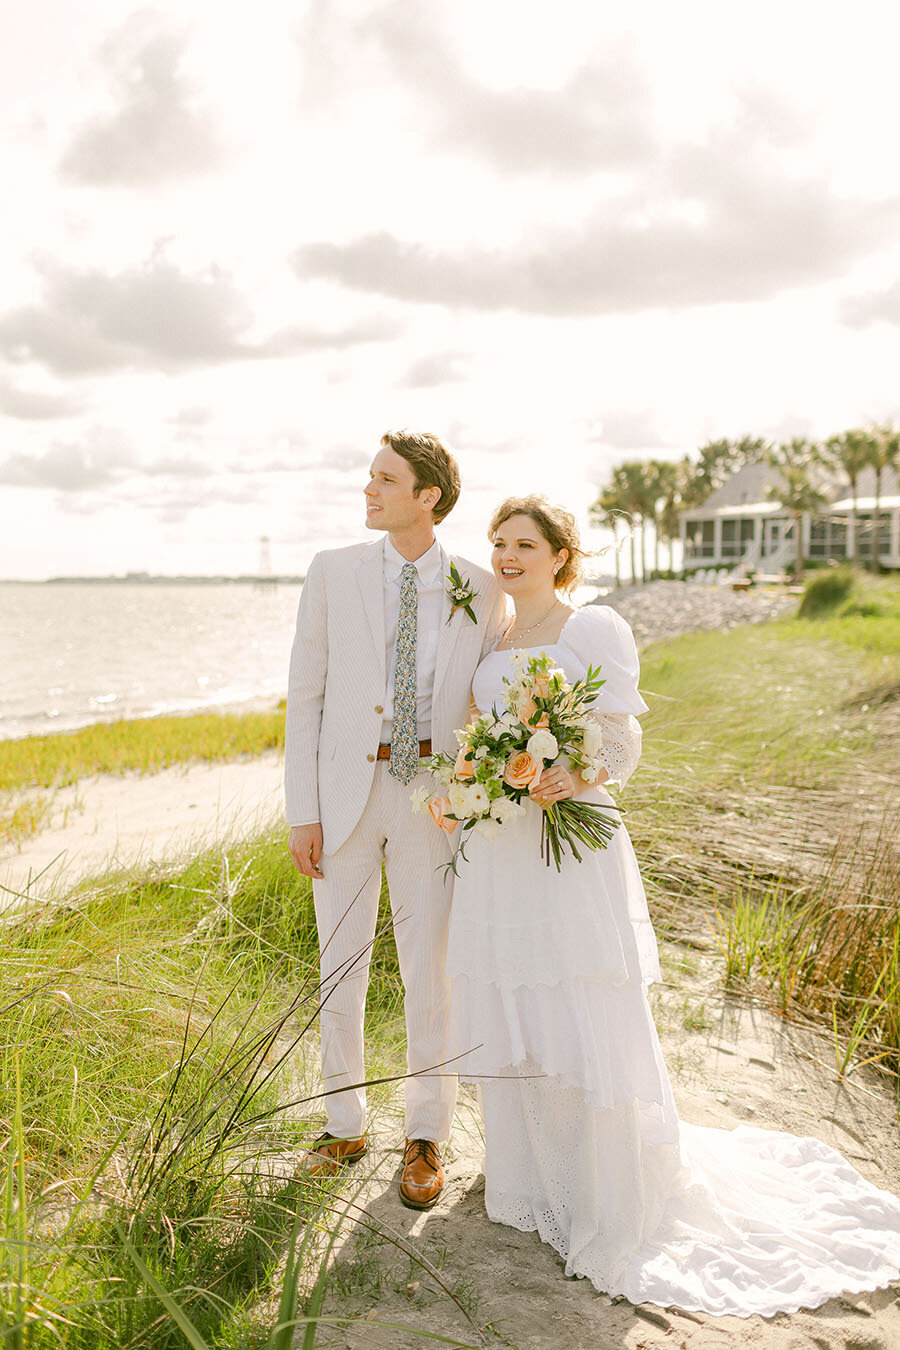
[[746, 492]]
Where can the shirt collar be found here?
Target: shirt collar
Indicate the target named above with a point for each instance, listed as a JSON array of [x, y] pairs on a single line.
[[429, 566]]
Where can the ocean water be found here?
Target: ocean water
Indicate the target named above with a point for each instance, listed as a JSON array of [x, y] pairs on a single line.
[[81, 652]]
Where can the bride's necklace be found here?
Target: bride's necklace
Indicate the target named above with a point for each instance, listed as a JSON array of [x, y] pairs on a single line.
[[523, 632]]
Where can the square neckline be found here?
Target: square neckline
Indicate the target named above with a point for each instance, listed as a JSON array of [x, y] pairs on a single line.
[[538, 646]]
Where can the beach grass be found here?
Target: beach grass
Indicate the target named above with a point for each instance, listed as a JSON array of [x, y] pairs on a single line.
[[767, 809], [144, 745], [158, 1083]]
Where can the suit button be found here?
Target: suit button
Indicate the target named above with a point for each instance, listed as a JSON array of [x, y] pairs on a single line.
[[378, 708], [370, 758]]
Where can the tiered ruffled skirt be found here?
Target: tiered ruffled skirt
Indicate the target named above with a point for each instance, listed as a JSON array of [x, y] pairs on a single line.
[[583, 1142]]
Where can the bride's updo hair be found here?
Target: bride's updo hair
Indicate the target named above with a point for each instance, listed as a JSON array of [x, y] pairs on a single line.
[[556, 525]]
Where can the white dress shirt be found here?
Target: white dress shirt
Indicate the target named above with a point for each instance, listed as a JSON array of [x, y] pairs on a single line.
[[430, 583]]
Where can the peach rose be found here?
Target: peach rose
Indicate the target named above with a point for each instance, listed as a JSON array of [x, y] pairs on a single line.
[[541, 687], [526, 708], [437, 809], [464, 768], [522, 770]]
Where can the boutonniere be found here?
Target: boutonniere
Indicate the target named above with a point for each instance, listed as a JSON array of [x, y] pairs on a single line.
[[461, 593]]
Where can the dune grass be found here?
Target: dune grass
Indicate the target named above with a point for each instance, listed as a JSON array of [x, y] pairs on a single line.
[[768, 807], [157, 1086], [144, 745]]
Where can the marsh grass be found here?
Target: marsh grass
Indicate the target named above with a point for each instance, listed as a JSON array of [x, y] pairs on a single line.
[[769, 799], [145, 745], [157, 1086]]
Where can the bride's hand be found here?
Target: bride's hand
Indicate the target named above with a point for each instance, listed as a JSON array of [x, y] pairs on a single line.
[[555, 785]]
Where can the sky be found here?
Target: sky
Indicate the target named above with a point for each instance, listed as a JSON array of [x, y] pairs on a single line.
[[240, 242]]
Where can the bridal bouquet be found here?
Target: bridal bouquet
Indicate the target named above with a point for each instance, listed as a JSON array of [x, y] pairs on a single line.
[[544, 721]]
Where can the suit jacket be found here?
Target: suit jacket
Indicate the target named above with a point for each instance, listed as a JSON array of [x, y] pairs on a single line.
[[338, 680]]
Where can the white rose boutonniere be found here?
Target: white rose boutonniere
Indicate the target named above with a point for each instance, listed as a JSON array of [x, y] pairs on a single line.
[[461, 593]]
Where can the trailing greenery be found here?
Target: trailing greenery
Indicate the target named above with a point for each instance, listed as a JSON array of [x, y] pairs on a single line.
[[145, 745]]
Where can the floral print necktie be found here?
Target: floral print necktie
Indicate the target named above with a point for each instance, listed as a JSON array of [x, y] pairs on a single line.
[[404, 764]]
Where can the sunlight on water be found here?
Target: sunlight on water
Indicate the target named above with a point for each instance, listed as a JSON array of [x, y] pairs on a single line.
[[73, 653]]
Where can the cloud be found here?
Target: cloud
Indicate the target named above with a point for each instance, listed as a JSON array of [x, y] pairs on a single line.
[[859, 311], [156, 132], [718, 224], [599, 118], [154, 316], [194, 415], [624, 430], [439, 368], [33, 405], [103, 458]]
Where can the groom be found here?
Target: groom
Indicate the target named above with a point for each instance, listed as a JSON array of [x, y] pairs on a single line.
[[381, 673]]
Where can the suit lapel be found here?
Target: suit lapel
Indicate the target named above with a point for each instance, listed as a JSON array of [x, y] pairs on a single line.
[[449, 632], [370, 577]]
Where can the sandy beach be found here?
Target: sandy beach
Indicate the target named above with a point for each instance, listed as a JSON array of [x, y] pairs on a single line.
[[123, 822]]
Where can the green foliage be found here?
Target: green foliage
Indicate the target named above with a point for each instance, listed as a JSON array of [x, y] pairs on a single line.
[[827, 591], [143, 746], [157, 1082]]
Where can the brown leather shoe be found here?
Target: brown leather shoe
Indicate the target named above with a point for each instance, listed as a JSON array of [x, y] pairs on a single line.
[[423, 1176], [329, 1154]]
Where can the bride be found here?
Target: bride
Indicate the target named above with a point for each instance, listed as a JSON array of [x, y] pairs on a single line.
[[550, 971]]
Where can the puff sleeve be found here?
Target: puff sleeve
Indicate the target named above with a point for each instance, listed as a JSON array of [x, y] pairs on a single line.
[[599, 636]]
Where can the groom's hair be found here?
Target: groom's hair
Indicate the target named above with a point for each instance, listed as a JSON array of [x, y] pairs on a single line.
[[431, 463]]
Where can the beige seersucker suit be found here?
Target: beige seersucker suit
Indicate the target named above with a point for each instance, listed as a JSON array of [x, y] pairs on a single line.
[[336, 697]]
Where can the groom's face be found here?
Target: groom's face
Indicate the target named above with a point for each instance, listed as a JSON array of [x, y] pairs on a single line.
[[391, 503]]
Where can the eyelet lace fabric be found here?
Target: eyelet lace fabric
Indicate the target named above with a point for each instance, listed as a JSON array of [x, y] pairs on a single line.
[[583, 1142]]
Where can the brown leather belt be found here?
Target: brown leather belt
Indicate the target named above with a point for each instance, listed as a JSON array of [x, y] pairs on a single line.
[[384, 751]]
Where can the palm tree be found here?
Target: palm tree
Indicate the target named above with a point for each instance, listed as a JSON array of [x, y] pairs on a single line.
[[716, 462], [661, 480], [886, 439], [607, 510], [853, 451], [796, 461], [625, 497]]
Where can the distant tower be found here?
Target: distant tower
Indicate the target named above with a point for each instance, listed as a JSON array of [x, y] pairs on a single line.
[[264, 576], [265, 558]]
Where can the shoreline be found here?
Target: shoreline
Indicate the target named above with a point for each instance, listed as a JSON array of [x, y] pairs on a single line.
[[656, 611]]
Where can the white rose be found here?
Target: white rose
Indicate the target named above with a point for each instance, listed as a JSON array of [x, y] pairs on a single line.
[[592, 739], [420, 799], [542, 745], [504, 809], [459, 800], [487, 827]]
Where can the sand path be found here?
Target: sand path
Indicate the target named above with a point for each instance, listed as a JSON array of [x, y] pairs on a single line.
[[131, 820]]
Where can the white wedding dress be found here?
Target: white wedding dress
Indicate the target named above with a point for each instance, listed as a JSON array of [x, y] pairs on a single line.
[[583, 1142]]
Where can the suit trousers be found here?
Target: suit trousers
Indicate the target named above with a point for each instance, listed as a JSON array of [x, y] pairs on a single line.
[[346, 901]]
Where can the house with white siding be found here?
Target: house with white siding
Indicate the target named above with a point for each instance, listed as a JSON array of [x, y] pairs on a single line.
[[740, 526]]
